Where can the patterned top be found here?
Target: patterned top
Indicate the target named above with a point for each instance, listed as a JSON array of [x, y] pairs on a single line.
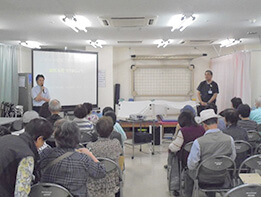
[[24, 177], [72, 172], [105, 147], [93, 118], [84, 124]]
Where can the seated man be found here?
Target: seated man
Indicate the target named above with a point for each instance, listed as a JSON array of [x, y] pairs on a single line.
[[245, 122], [86, 127], [213, 142], [255, 114], [221, 120], [237, 133], [19, 156], [55, 108], [76, 167]]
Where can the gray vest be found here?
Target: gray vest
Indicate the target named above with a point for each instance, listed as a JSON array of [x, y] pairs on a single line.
[[211, 144]]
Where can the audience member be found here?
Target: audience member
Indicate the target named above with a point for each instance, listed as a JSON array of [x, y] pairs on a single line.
[[92, 117], [236, 102], [237, 133], [221, 120], [117, 129], [44, 110], [19, 158], [214, 142], [76, 166], [86, 127], [109, 148], [245, 122], [255, 114], [188, 132], [4, 131], [55, 108]]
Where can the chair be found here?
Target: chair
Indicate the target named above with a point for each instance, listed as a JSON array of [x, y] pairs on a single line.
[[253, 190], [110, 166], [243, 150], [252, 163], [253, 138], [49, 190], [215, 167], [258, 150]]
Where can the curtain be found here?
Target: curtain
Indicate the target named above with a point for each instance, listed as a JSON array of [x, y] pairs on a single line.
[[8, 74], [232, 74]]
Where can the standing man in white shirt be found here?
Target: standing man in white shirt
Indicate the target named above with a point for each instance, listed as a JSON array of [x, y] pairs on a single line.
[[40, 94]]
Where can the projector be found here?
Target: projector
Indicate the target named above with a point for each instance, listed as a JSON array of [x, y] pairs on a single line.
[[137, 117]]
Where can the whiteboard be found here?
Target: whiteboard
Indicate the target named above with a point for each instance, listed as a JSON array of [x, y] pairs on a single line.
[[70, 76], [162, 81]]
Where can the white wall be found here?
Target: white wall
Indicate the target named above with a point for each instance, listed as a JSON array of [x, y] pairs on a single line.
[[122, 63], [255, 75]]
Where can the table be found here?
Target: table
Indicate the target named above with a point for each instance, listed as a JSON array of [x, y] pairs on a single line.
[[250, 178], [7, 121]]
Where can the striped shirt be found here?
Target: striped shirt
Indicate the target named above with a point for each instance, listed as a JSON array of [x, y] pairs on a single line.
[[84, 124], [247, 124]]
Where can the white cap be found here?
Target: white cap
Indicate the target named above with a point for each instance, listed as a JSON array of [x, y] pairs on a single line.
[[30, 115], [205, 115]]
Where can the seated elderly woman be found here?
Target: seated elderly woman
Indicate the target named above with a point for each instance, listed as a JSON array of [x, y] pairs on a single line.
[[109, 148], [67, 166]]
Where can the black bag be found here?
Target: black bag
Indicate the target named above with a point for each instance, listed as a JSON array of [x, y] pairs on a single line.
[[142, 137]]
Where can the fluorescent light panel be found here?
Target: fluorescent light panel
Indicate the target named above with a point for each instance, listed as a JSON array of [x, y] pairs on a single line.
[[162, 43], [31, 44], [181, 22], [229, 42], [77, 23], [97, 43]]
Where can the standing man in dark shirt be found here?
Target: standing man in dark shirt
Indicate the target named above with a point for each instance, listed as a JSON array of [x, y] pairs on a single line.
[[207, 91]]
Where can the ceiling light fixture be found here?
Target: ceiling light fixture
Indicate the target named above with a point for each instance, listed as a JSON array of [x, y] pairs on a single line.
[[97, 43], [31, 44], [230, 42], [181, 22], [162, 43], [77, 23]]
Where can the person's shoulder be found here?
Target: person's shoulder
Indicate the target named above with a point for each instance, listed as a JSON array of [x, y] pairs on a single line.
[[214, 83]]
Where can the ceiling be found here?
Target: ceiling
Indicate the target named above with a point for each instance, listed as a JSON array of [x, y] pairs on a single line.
[[39, 20]]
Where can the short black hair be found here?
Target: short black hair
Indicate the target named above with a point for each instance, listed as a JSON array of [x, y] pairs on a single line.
[[39, 127], [106, 109], [210, 72], [244, 110], [44, 110], [187, 119], [80, 111], [232, 116], [212, 106], [211, 121], [4, 131], [112, 115], [88, 107], [104, 126], [39, 76], [67, 134], [236, 102]]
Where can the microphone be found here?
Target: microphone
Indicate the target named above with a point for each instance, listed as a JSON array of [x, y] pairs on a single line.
[[43, 89]]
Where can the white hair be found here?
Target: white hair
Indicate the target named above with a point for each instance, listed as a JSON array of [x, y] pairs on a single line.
[[258, 101], [54, 105]]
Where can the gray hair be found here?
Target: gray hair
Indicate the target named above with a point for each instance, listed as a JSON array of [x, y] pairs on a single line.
[[67, 134], [258, 101], [54, 105]]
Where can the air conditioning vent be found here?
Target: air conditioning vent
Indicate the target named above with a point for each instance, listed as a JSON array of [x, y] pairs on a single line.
[[141, 21], [196, 42], [129, 42]]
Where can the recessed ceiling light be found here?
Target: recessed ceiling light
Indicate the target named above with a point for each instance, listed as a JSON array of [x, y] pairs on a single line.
[[181, 21], [162, 43], [251, 33], [97, 43], [229, 42], [252, 20]]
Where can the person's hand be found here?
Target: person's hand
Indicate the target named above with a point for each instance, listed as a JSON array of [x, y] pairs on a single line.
[[84, 151], [42, 88], [203, 103]]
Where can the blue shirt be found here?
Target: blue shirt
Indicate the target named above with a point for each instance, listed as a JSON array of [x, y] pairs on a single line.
[[194, 155], [35, 91], [255, 115]]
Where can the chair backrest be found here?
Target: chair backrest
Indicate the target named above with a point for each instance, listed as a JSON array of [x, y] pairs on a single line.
[[258, 149], [253, 136], [253, 163], [49, 190], [215, 164], [259, 127], [110, 165], [242, 146], [188, 146], [248, 190]]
